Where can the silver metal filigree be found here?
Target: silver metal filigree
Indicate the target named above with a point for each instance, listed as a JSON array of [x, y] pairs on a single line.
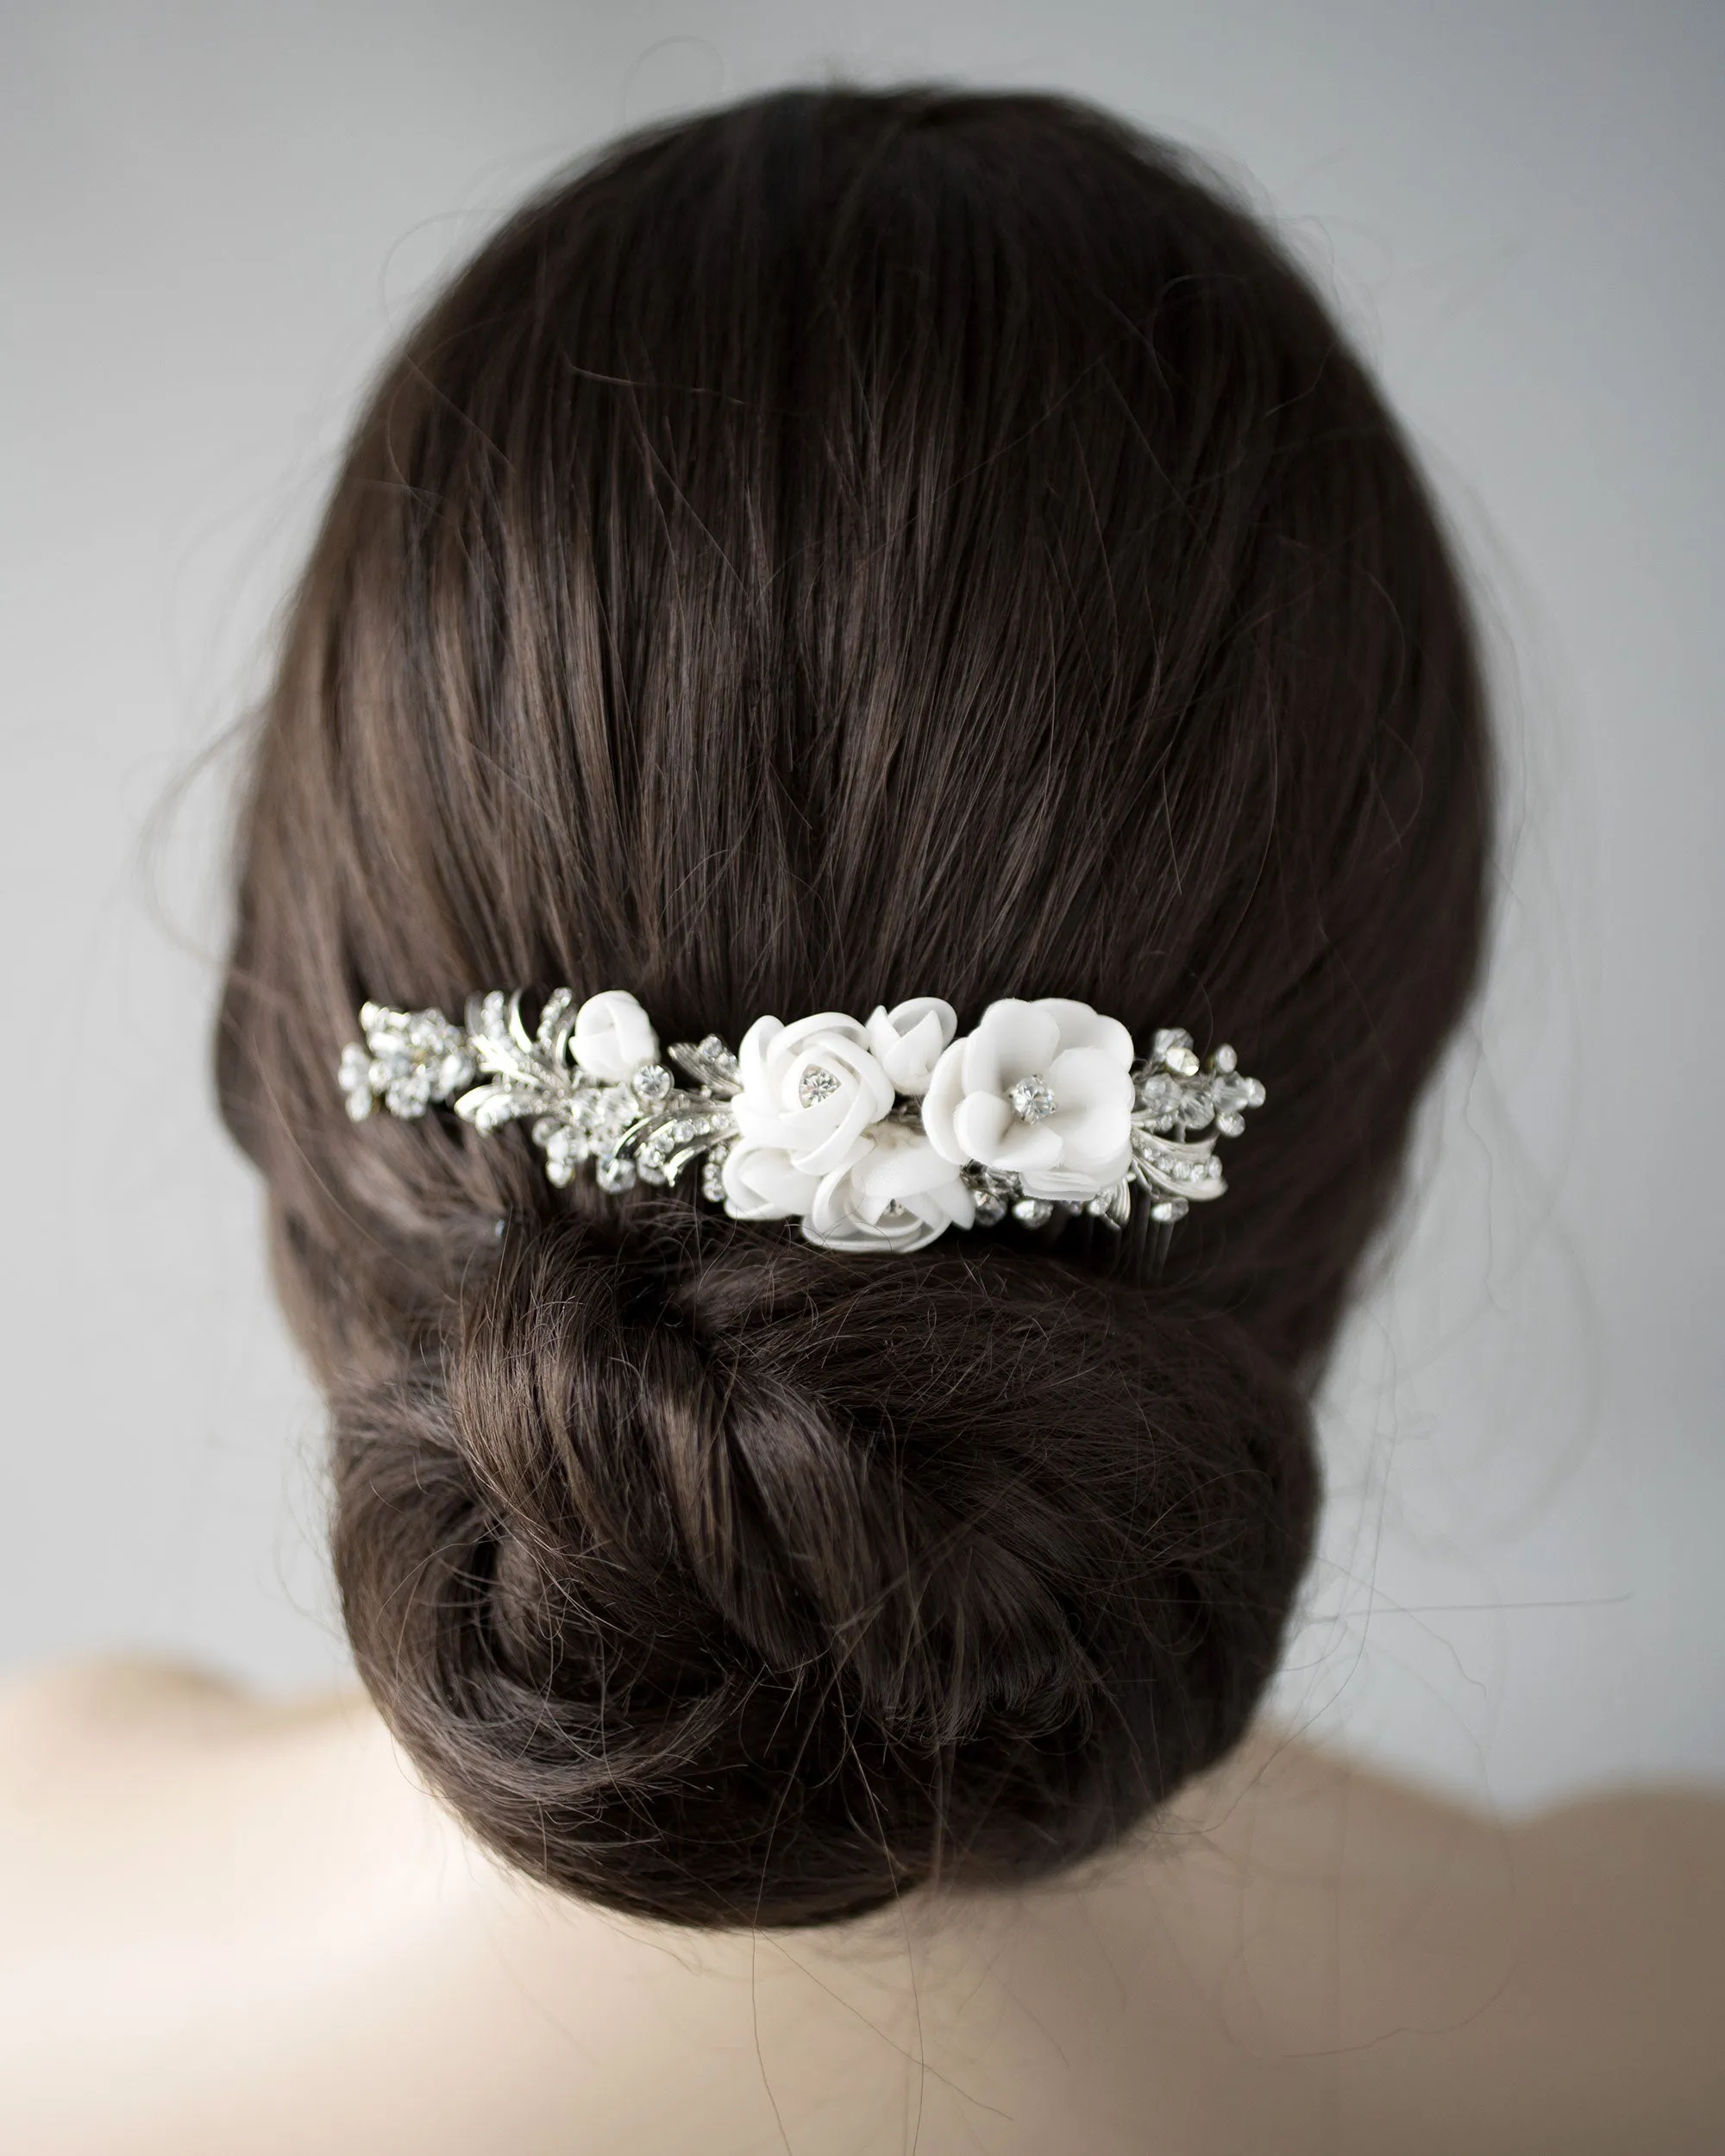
[[1175, 1096], [644, 1126]]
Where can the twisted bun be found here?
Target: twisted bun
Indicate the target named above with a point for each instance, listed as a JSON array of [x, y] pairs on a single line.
[[712, 1574], [835, 549]]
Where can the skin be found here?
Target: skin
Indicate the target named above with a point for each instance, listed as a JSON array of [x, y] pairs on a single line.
[[231, 1925]]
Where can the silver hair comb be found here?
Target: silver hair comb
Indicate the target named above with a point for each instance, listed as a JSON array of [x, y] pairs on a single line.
[[876, 1135]]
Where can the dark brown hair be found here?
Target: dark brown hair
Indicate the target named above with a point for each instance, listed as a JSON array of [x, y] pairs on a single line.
[[842, 548]]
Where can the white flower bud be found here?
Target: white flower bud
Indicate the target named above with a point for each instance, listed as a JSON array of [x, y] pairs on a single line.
[[907, 1040], [614, 1036]]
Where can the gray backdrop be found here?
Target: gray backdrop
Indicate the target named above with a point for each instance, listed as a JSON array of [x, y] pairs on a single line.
[[213, 220]]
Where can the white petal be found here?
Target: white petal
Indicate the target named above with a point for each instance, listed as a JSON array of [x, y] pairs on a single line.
[[957, 1200], [1026, 1145], [800, 1032], [1082, 1027], [983, 1072], [836, 1149], [946, 1090], [761, 1184], [1024, 1037], [909, 1039], [899, 1164], [841, 1218], [822, 1136], [861, 1237], [1089, 1077], [857, 1060], [1088, 1135], [912, 1016], [751, 1053], [979, 1124]]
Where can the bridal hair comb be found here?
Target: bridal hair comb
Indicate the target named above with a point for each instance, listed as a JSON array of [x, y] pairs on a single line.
[[876, 1137]]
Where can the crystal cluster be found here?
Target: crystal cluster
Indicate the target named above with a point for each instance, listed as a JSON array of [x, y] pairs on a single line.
[[1177, 1095], [408, 1060]]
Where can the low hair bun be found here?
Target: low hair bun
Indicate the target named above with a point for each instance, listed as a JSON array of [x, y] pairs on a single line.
[[730, 1581]]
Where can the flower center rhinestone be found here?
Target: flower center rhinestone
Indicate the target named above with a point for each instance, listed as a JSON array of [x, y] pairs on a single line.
[[1033, 1099], [816, 1083]]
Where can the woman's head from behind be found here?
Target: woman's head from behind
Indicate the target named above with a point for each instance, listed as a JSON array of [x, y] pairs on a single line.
[[836, 550]]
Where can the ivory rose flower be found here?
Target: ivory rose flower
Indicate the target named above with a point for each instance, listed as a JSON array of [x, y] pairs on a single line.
[[614, 1036], [811, 1089], [907, 1040], [761, 1184], [1040, 1090], [897, 1196]]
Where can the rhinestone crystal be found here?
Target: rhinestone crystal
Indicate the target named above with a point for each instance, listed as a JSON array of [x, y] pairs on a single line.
[[817, 1083], [355, 1080], [410, 1096], [992, 1194], [652, 1082], [1234, 1096], [1033, 1213], [1033, 1099], [1159, 1097]]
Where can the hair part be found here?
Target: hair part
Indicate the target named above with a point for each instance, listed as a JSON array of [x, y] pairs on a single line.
[[842, 547]]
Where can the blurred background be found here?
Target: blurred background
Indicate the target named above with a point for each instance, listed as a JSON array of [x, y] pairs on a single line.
[[214, 219]]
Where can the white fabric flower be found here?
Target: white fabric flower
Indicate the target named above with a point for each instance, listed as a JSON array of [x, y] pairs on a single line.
[[812, 1089], [898, 1194], [907, 1040], [614, 1036], [761, 1184], [1041, 1091]]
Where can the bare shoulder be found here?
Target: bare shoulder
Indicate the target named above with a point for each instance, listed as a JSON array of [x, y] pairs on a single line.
[[1616, 1862], [66, 1728], [1459, 1979], [1665, 1845], [96, 1698], [1584, 1879], [70, 1730], [239, 1907]]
